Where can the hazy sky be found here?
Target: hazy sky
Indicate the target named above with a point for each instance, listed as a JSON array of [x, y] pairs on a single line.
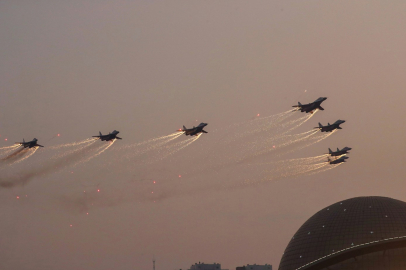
[[146, 68]]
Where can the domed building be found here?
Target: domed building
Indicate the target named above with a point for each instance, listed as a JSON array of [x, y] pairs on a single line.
[[358, 233]]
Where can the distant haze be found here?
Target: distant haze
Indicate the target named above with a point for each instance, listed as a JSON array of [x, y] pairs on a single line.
[[146, 68]]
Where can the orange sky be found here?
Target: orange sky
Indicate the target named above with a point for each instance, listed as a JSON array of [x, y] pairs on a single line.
[[146, 68]]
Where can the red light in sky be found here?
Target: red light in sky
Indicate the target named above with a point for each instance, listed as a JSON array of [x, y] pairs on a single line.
[[98, 190], [152, 192], [59, 134], [70, 225], [5, 139], [180, 176], [18, 197], [257, 114], [87, 213], [273, 146], [154, 182]]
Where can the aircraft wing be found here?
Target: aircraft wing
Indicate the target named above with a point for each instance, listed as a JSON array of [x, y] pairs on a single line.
[[39, 145], [204, 131]]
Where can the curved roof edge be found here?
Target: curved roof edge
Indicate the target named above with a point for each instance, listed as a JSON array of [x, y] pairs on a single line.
[[352, 252]]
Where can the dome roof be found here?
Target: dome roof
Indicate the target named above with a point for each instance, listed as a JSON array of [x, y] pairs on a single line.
[[343, 226]]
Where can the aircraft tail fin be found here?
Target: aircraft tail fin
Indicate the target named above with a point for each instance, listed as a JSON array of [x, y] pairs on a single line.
[[184, 128], [100, 133], [320, 125], [23, 140], [298, 105], [329, 151], [338, 149]]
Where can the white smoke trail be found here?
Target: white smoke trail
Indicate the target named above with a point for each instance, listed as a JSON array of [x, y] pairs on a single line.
[[30, 151], [257, 121], [193, 140], [171, 149], [8, 149], [301, 121], [175, 135], [99, 150], [154, 144], [82, 145], [314, 140], [89, 140], [290, 171], [277, 143]]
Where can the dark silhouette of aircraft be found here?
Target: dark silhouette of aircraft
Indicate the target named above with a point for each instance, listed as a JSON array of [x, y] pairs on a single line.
[[30, 144], [108, 137], [338, 160], [339, 152], [311, 107], [329, 128], [195, 130]]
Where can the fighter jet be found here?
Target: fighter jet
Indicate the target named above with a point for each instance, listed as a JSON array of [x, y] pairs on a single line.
[[195, 130], [329, 128], [30, 144], [311, 107], [108, 137], [338, 160], [339, 152]]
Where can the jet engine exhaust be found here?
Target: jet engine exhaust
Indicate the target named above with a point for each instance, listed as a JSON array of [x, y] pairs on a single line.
[[29, 152], [53, 165]]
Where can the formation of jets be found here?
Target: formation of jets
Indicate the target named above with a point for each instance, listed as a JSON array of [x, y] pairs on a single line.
[[340, 155]]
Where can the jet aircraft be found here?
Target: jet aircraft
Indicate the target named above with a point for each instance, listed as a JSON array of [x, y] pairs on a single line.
[[338, 160], [108, 137], [30, 144], [195, 130], [339, 152], [329, 128], [311, 107]]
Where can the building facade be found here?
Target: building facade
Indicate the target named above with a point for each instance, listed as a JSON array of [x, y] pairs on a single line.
[[255, 267], [205, 266]]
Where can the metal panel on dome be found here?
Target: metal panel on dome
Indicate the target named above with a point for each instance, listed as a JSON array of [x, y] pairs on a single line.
[[342, 227]]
